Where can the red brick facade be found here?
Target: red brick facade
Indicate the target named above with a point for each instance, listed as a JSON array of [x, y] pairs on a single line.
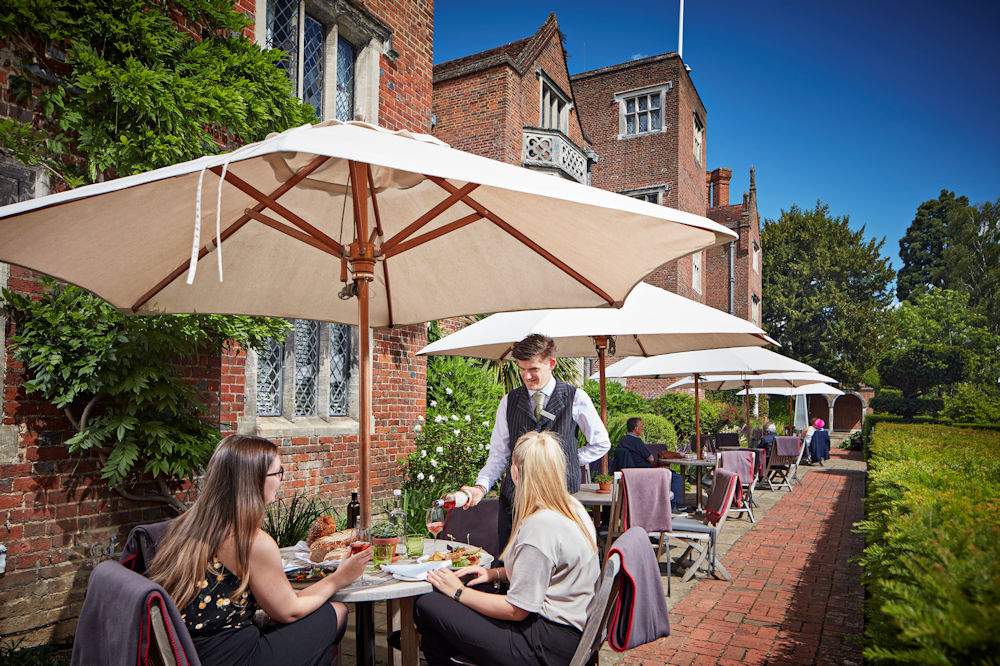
[[56, 515]]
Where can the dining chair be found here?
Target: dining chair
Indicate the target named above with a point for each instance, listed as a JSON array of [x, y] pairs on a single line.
[[744, 463], [783, 463], [701, 537], [633, 510], [127, 618], [727, 439]]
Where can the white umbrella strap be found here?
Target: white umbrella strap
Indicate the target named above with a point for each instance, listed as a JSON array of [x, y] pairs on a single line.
[[218, 218], [196, 241]]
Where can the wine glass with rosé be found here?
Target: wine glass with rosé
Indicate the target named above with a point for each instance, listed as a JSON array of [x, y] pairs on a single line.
[[363, 540], [435, 522]]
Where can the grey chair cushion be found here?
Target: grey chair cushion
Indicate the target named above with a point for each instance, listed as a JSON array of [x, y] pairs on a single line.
[[690, 525]]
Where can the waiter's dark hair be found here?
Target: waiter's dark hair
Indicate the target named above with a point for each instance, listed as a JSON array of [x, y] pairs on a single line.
[[632, 423], [534, 345]]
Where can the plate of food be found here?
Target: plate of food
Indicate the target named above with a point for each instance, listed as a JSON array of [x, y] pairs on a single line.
[[460, 556], [308, 575]]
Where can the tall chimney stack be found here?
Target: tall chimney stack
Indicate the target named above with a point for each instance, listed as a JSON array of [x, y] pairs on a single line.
[[719, 186]]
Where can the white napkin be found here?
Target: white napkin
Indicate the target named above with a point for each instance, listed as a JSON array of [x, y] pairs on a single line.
[[413, 572]]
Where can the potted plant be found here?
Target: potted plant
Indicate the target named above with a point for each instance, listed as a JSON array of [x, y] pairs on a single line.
[[386, 532], [603, 482]]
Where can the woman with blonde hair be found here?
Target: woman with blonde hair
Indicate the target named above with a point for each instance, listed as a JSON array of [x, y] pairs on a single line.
[[550, 564], [220, 567]]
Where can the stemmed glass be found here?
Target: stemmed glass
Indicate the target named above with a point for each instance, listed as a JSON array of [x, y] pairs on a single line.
[[435, 522], [363, 541]]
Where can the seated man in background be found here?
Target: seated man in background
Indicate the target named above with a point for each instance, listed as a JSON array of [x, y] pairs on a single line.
[[633, 452]]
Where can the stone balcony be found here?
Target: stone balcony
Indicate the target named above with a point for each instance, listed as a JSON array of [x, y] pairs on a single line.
[[551, 150]]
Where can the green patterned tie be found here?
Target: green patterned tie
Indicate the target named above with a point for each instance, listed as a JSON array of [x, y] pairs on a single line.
[[538, 398]]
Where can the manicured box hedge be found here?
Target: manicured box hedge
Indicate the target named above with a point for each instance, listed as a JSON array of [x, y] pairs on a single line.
[[932, 560]]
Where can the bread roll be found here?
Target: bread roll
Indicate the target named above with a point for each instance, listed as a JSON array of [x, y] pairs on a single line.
[[323, 547]]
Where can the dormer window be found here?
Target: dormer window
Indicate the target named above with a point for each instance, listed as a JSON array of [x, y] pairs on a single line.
[[555, 104]]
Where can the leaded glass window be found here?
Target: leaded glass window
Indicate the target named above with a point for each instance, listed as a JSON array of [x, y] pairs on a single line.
[[643, 113], [269, 380], [312, 64], [306, 366], [283, 34], [340, 368], [346, 56]]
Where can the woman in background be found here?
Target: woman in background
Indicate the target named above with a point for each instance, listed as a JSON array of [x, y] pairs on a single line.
[[550, 564], [219, 567]]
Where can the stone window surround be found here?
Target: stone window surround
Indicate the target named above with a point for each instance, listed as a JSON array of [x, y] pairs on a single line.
[[698, 137], [697, 275], [660, 190], [545, 82], [370, 37], [619, 99], [287, 425], [756, 257]]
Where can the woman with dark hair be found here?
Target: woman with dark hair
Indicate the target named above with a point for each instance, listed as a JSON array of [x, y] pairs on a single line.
[[550, 564], [220, 567]]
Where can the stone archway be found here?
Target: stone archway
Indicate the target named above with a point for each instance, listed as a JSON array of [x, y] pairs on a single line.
[[848, 412]]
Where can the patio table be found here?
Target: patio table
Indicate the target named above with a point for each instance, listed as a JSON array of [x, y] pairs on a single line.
[[709, 461], [399, 597]]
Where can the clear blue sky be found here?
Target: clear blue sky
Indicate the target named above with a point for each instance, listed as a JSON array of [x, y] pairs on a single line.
[[872, 107]]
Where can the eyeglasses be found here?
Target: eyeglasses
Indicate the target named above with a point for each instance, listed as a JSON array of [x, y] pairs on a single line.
[[280, 473]]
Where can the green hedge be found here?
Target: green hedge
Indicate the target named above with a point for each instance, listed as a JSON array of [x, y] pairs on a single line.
[[932, 556], [655, 429]]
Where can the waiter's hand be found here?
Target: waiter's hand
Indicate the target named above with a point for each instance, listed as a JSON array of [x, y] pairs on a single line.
[[475, 494]]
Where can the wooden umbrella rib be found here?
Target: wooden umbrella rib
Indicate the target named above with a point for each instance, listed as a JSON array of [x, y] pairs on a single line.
[[431, 235], [455, 195], [357, 183], [294, 233], [270, 202], [388, 292], [232, 228], [642, 347], [377, 231], [538, 249]]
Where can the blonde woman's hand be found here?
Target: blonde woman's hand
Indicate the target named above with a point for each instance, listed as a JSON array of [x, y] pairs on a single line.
[[480, 574], [444, 580], [353, 565]]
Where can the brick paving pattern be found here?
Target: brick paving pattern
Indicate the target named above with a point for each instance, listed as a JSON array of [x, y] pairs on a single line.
[[795, 598]]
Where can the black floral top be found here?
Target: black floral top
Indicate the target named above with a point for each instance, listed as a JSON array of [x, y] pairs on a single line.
[[213, 610]]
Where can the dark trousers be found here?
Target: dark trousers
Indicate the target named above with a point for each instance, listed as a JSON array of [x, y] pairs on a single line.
[[307, 642], [447, 629]]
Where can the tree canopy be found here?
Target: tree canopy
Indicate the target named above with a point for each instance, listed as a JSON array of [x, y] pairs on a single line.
[[973, 258], [826, 291], [117, 87], [922, 247]]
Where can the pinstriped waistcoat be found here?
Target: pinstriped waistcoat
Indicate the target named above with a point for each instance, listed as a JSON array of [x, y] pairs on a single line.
[[521, 419]]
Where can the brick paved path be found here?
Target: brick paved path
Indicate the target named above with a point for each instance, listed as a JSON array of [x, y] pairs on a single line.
[[795, 598]]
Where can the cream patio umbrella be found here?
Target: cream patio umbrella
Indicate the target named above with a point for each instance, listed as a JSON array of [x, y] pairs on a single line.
[[405, 228], [753, 383], [652, 321], [743, 361]]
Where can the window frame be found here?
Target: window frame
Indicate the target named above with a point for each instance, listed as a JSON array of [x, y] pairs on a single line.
[[642, 193], [621, 99], [698, 137], [697, 272], [564, 102]]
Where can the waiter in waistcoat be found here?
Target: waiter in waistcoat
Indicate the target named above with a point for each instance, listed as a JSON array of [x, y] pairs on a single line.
[[543, 403]]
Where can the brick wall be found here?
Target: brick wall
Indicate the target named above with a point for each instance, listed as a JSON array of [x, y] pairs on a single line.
[[56, 515]]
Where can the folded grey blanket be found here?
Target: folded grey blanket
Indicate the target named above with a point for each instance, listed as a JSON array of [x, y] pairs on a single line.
[[639, 615]]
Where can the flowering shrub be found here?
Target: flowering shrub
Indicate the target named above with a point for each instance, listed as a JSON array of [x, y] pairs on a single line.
[[453, 442]]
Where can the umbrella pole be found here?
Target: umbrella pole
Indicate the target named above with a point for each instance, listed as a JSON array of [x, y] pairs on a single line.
[[697, 420], [746, 389], [362, 260], [601, 342]]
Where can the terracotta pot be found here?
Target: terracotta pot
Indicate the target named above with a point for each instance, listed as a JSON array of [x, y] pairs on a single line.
[[604, 488]]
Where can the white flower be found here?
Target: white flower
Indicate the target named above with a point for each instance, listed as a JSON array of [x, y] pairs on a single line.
[[486, 423], [431, 478], [457, 432], [417, 427], [420, 476], [434, 463], [448, 391], [468, 419], [439, 449], [423, 453], [439, 419], [468, 450], [434, 403], [454, 417], [421, 417]]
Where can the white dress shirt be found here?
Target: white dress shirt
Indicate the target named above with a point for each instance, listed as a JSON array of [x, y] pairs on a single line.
[[584, 414]]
